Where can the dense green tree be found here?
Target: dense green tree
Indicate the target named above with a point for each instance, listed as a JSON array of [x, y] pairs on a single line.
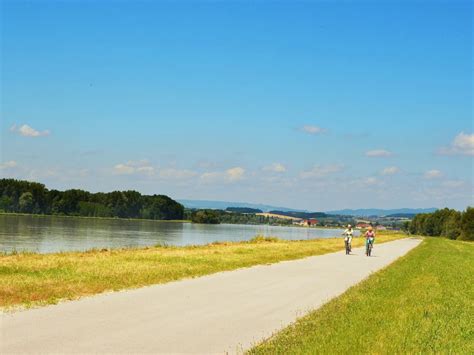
[[6, 203], [31, 197], [406, 226], [452, 225], [467, 224], [445, 223], [26, 202], [205, 216], [93, 209]]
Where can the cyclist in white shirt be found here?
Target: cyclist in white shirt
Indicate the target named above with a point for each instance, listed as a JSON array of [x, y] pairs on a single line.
[[348, 234]]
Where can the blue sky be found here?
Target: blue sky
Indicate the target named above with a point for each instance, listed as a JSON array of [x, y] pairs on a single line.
[[315, 104]]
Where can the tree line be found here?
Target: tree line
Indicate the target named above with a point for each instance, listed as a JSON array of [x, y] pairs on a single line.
[[32, 197], [208, 216], [444, 223]]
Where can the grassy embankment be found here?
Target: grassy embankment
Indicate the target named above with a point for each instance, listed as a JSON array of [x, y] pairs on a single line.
[[423, 303], [28, 279]]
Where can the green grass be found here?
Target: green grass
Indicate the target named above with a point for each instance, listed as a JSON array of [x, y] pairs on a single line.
[[423, 303], [28, 279]]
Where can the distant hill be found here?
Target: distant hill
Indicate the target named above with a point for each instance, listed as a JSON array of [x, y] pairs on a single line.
[[381, 212], [223, 205], [243, 210]]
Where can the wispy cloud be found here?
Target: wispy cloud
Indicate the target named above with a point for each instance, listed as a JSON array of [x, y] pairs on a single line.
[[453, 184], [133, 167], [230, 175], [371, 181], [123, 169], [275, 168], [432, 174], [378, 153], [391, 170], [27, 131], [144, 168], [319, 171], [8, 164], [313, 130], [235, 174], [462, 144]]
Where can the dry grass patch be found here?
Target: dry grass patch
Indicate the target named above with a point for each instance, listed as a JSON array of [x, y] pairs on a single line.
[[28, 279]]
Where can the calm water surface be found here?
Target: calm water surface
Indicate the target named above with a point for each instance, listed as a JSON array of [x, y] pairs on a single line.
[[52, 234]]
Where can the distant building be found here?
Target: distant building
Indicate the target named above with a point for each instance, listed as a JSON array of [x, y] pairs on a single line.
[[381, 228], [363, 225], [311, 222]]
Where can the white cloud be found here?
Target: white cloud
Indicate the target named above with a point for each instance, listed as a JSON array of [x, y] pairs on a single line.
[[235, 174], [28, 131], [391, 170], [319, 171], [312, 129], [134, 167], [371, 181], [462, 144], [275, 168], [230, 175], [432, 174], [378, 153], [123, 169], [9, 164]]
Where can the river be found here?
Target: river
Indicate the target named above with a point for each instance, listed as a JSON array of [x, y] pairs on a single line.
[[49, 234]]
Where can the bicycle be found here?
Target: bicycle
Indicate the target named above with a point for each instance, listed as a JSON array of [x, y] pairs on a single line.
[[348, 247], [368, 247]]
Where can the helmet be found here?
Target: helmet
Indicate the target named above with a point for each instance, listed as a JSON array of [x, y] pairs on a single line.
[[370, 228], [349, 226]]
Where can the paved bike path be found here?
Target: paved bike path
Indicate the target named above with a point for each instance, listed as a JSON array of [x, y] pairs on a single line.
[[223, 312]]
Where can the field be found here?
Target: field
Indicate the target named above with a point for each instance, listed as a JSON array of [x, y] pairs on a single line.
[[28, 279], [423, 303]]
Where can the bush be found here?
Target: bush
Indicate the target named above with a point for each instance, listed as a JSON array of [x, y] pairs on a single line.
[[205, 217], [467, 225], [447, 223]]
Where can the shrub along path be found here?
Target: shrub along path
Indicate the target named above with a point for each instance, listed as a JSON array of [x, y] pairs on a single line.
[[227, 311]]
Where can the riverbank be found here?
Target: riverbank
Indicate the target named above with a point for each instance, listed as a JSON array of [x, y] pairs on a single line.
[[30, 279], [423, 303]]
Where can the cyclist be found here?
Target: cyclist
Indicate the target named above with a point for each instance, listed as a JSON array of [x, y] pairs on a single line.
[[369, 238], [348, 233]]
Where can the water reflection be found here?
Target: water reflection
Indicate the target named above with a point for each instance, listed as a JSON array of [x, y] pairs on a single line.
[[52, 234]]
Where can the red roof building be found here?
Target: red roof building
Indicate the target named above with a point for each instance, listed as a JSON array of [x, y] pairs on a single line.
[[310, 222]]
